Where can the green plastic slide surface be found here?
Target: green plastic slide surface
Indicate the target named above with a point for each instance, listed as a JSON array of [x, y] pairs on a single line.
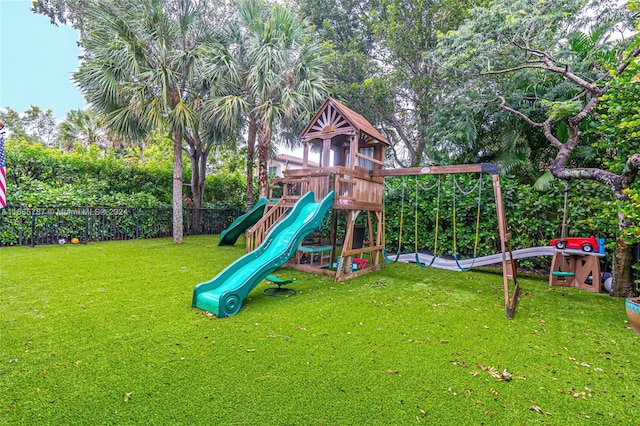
[[229, 236], [224, 294]]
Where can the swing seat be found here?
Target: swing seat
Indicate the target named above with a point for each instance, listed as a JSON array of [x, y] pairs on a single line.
[[279, 291], [387, 259], [563, 274]]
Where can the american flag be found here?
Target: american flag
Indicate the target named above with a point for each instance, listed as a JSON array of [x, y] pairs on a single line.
[[3, 170]]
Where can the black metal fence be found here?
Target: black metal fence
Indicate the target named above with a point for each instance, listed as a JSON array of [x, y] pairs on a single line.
[[54, 225]]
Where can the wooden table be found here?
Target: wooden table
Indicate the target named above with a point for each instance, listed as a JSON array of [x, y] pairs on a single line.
[[322, 252]]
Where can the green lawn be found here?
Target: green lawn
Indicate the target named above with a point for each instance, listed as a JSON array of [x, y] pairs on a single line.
[[105, 334]]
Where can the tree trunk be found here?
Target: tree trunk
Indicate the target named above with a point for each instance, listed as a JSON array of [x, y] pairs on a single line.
[[622, 285], [264, 139], [622, 271], [177, 188], [251, 144], [197, 192], [198, 155]]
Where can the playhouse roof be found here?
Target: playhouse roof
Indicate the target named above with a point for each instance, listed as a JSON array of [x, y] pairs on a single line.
[[326, 120]]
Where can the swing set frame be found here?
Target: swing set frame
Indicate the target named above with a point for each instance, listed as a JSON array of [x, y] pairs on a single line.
[[509, 267]]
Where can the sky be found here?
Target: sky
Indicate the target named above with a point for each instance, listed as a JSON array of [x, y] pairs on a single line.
[[36, 61]]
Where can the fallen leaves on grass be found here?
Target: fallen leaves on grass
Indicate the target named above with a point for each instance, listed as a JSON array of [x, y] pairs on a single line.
[[539, 410], [392, 371], [273, 336], [536, 409], [505, 375], [581, 363], [423, 415], [127, 396], [587, 392]]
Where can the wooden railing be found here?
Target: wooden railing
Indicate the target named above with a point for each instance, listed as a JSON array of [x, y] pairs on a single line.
[[256, 234], [353, 187]]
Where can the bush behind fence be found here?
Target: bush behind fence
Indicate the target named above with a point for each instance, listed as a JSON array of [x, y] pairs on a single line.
[[52, 225]]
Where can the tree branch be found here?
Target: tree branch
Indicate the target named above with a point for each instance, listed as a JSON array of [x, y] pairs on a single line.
[[503, 105], [547, 63], [624, 65], [617, 183], [518, 68], [571, 76], [399, 129], [546, 128], [586, 109]]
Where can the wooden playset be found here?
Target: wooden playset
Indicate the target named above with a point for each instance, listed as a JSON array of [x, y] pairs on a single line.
[[352, 154]]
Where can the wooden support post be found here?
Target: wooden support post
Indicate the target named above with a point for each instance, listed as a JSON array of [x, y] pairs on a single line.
[[333, 234], [509, 270], [353, 149], [305, 155], [326, 153], [379, 239]]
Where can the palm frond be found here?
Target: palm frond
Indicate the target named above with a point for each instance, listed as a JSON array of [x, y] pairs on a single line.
[[544, 182]]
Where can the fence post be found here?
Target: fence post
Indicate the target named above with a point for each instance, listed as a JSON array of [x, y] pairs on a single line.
[[21, 223], [33, 229], [86, 227]]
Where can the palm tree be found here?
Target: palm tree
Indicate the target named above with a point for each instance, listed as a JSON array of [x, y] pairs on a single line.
[[142, 69], [268, 75], [81, 126]]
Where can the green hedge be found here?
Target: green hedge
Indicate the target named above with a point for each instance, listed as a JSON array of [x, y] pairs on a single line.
[[39, 176]]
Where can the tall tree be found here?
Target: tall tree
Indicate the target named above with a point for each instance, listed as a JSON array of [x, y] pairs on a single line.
[[344, 23], [386, 68], [347, 26], [568, 43], [270, 75], [62, 12], [81, 126], [143, 68], [35, 124]]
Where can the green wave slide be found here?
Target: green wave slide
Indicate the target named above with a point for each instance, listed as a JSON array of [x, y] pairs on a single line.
[[224, 294], [229, 236]]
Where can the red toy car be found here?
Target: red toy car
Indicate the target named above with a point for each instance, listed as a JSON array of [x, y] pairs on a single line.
[[585, 244]]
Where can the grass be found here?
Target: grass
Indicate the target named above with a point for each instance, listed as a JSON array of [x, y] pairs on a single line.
[[105, 334]]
